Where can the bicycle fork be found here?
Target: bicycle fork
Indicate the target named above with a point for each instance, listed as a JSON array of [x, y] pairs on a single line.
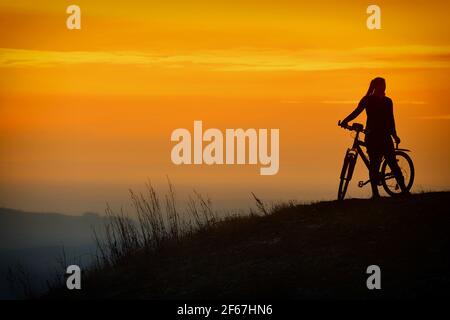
[[351, 156]]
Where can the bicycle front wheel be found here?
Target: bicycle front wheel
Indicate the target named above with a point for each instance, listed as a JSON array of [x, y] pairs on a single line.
[[346, 174], [390, 184]]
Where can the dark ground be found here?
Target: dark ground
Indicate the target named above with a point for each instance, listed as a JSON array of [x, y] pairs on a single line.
[[312, 251]]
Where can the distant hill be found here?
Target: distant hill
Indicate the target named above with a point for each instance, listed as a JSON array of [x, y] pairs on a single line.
[[20, 230], [35, 241], [319, 250]]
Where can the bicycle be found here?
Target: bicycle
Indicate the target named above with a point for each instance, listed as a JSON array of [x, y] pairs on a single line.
[[387, 178]]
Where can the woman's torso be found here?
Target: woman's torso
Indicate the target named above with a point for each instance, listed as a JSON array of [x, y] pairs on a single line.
[[379, 122]]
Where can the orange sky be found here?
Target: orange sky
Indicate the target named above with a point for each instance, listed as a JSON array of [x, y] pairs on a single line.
[[86, 114]]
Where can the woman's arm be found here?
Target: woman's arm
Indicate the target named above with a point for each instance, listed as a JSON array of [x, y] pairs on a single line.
[[360, 108], [392, 122]]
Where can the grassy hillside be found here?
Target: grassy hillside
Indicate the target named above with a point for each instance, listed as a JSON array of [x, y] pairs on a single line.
[[320, 250]]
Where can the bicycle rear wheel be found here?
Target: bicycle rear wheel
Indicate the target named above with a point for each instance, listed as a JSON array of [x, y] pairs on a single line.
[[346, 174], [389, 182]]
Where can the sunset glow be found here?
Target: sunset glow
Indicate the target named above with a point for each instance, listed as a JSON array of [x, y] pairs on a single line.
[[86, 114]]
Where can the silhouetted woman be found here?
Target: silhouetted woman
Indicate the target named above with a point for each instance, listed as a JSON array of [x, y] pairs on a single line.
[[380, 129]]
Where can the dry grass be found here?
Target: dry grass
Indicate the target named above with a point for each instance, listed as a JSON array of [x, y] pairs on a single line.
[[158, 221]]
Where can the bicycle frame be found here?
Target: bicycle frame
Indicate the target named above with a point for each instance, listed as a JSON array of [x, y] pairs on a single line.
[[356, 148], [357, 144]]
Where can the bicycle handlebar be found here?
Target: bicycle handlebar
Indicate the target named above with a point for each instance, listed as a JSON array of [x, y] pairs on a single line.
[[358, 127], [354, 127]]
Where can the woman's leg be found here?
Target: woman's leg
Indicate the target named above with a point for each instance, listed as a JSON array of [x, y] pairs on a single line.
[[375, 158], [392, 162]]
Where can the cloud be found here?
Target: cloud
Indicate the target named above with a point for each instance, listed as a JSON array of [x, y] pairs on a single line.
[[355, 102], [242, 59], [340, 102], [290, 102], [435, 117], [412, 102]]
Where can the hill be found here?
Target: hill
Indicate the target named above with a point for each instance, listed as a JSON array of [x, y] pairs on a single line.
[[21, 229], [319, 250]]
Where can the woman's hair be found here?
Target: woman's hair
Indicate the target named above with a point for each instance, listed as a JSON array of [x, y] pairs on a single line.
[[376, 82]]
